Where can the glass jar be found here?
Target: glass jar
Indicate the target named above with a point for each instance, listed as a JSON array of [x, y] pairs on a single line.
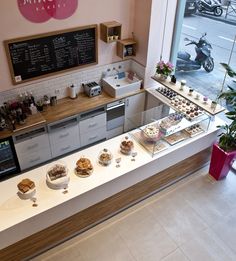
[[126, 145], [105, 157]]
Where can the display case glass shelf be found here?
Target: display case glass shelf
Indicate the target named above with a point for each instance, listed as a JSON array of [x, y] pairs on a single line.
[[162, 127], [193, 96]]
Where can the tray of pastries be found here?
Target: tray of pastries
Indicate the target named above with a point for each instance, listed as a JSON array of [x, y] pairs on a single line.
[[194, 130], [126, 146], [170, 94], [176, 137], [105, 157], [26, 189], [169, 123], [188, 109], [83, 167], [57, 176]]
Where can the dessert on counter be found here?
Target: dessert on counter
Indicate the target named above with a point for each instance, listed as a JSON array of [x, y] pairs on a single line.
[[105, 157], [151, 132], [57, 176], [126, 146], [26, 189], [83, 167]]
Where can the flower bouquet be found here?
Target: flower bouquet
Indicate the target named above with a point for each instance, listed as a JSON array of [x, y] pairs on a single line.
[[164, 69]]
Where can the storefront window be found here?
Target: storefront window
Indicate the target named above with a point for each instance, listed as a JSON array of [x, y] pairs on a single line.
[[205, 41]]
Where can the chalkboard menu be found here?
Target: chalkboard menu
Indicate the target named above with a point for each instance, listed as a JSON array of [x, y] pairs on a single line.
[[40, 55]]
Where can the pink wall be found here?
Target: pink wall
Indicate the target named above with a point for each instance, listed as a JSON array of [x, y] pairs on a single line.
[[141, 28], [14, 25]]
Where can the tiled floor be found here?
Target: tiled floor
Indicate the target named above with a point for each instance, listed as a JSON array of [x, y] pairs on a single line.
[[192, 220]]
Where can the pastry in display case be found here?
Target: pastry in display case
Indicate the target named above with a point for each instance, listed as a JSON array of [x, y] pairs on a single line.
[[105, 157], [189, 110], [176, 137], [26, 189], [163, 126], [151, 132], [169, 124], [57, 176], [126, 146], [83, 167], [194, 130]]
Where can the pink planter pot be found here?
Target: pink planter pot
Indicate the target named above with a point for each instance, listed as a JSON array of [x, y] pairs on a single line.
[[221, 162]]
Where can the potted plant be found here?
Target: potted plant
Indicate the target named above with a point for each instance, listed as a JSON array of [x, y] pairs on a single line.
[[164, 69], [224, 151]]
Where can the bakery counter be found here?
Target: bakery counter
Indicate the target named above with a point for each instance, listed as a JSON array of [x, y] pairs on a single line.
[[21, 218]]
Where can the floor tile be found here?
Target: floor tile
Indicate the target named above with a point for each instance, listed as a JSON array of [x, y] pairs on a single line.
[[207, 246], [177, 217], [177, 255], [144, 237], [225, 229]]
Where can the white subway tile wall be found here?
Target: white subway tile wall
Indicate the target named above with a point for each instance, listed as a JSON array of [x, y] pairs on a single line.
[[58, 86]]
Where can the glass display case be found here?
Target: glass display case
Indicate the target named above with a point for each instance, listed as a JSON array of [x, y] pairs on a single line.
[[162, 127]]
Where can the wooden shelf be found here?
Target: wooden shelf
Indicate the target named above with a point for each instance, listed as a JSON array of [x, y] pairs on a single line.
[[126, 48], [206, 106], [110, 31]]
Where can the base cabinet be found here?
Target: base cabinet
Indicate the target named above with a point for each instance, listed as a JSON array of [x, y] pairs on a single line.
[[93, 129], [134, 105], [64, 136], [32, 147]]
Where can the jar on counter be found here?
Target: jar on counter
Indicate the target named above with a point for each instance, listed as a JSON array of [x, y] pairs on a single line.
[[126, 146], [105, 157]]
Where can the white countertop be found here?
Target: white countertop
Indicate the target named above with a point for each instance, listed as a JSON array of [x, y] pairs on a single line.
[[14, 210]]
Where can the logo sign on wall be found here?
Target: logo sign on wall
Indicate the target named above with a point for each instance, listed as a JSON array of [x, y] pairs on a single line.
[[39, 11]]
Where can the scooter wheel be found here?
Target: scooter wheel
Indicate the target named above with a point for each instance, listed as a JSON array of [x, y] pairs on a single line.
[[208, 65], [218, 11]]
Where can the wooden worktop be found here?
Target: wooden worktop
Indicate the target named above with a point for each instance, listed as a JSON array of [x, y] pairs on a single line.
[[64, 108]]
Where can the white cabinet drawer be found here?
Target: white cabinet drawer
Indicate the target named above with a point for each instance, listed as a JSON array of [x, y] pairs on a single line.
[[93, 123], [31, 145], [92, 136], [64, 140], [28, 160]]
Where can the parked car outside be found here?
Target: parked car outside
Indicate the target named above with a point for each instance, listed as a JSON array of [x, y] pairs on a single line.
[[190, 7]]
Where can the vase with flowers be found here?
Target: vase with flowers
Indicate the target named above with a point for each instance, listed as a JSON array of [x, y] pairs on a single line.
[[163, 69]]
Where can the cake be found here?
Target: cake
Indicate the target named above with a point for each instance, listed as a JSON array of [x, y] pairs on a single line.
[[57, 176], [26, 189], [83, 167], [126, 146], [151, 132], [25, 185]]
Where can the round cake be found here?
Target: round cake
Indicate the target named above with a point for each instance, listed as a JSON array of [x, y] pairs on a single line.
[[83, 167], [26, 189], [151, 132], [57, 176]]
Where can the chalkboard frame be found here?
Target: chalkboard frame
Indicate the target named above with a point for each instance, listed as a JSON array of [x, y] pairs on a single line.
[[7, 43]]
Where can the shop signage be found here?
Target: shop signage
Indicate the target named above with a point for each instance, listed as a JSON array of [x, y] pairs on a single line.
[[39, 11]]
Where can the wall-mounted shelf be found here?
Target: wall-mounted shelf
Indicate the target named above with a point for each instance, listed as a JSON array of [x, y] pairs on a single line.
[[110, 31], [126, 48]]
